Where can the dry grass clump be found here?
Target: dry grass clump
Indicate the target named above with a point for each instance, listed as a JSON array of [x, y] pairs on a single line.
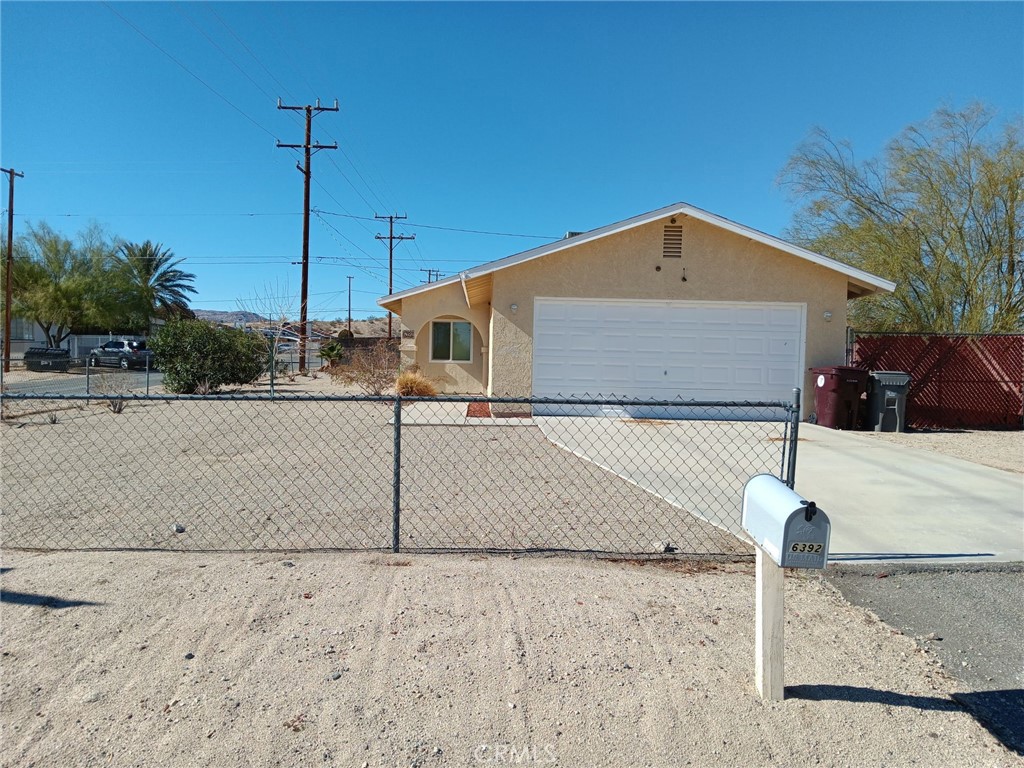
[[412, 383]]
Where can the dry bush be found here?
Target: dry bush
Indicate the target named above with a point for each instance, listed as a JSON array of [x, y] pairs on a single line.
[[338, 372], [118, 383], [415, 384], [372, 370]]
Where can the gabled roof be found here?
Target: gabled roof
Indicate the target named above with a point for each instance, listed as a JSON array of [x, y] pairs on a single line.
[[476, 281]]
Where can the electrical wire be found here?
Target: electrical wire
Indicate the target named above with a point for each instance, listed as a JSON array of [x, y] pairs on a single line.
[[447, 229], [255, 58], [213, 90]]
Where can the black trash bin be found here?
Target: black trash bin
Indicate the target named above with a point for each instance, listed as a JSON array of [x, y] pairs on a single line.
[[887, 401], [837, 391], [47, 359]]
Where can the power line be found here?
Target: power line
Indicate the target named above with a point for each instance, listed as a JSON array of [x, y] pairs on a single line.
[[148, 215], [213, 90], [346, 214], [482, 232], [284, 91], [447, 229], [212, 42], [341, 234], [326, 131], [349, 262]]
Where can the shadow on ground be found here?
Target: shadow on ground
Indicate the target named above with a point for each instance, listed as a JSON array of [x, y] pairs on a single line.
[[1001, 712], [47, 601]]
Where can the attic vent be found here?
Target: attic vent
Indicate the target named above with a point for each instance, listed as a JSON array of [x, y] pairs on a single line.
[[571, 234], [672, 247]]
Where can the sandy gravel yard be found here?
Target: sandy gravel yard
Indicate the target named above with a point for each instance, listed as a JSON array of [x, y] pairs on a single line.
[[185, 659], [999, 449]]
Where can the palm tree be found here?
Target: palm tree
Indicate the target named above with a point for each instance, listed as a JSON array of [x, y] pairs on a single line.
[[160, 288]]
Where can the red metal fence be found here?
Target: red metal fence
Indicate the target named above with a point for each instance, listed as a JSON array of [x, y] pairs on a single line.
[[959, 381]]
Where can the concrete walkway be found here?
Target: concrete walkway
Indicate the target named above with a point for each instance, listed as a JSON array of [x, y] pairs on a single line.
[[889, 502]]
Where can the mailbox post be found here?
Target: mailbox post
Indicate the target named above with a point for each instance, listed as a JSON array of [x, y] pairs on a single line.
[[788, 532]]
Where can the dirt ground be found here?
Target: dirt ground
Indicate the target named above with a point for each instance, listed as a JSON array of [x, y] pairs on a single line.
[[999, 449], [170, 659], [153, 658]]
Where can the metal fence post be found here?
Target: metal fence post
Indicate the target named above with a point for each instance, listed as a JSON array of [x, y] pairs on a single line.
[[88, 373], [396, 509], [794, 435], [147, 375]]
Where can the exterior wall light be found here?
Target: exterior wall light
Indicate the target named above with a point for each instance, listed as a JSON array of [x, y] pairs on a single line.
[[514, 307], [828, 317]]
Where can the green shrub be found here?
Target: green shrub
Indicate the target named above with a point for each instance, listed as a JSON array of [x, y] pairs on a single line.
[[194, 355]]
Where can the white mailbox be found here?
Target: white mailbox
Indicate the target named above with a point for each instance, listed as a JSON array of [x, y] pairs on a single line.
[[790, 529]]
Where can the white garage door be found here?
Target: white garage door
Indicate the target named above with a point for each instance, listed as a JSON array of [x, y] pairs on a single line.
[[665, 350]]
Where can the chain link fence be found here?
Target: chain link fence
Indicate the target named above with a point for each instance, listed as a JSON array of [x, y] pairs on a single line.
[[326, 472]]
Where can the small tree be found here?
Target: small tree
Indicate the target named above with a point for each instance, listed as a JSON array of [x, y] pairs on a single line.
[[337, 350], [194, 355], [273, 304], [60, 284]]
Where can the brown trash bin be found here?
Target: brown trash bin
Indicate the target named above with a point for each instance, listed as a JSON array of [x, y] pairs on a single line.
[[837, 393]]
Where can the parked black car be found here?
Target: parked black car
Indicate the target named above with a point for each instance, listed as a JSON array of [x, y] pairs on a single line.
[[124, 354]]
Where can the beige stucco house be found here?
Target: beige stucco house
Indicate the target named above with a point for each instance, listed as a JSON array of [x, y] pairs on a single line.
[[677, 302]]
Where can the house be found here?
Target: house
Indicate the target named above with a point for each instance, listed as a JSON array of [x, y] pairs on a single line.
[[677, 302]]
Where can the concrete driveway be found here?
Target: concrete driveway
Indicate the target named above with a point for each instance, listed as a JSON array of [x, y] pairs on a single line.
[[699, 466], [893, 503], [886, 502]]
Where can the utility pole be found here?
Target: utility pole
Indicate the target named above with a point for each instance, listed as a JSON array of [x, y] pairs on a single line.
[[349, 305], [8, 293], [391, 254], [432, 274], [308, 146]]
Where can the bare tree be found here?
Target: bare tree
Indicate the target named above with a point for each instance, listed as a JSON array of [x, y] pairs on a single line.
[[275, 304]]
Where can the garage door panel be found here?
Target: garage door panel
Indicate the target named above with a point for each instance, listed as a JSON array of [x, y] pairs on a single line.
[[783, 347], [749, 376], [781, 377], [665, 350], [785, 319], [750, 317], [716, 345], [750, 346]]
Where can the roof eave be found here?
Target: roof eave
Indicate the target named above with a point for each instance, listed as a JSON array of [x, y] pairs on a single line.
[[857, 277]]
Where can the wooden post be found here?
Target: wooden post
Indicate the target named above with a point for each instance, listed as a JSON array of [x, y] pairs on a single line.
[[769, 634]]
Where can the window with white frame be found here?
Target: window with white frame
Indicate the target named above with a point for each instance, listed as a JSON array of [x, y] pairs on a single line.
[[450, 342]]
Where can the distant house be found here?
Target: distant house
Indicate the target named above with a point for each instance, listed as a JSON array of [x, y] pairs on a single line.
[[674, 302], [25, 334]]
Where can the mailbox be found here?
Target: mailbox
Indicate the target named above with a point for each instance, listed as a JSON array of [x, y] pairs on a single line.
[[790, 529]]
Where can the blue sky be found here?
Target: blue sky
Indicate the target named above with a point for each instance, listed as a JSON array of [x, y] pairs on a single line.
[[522, 118]]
